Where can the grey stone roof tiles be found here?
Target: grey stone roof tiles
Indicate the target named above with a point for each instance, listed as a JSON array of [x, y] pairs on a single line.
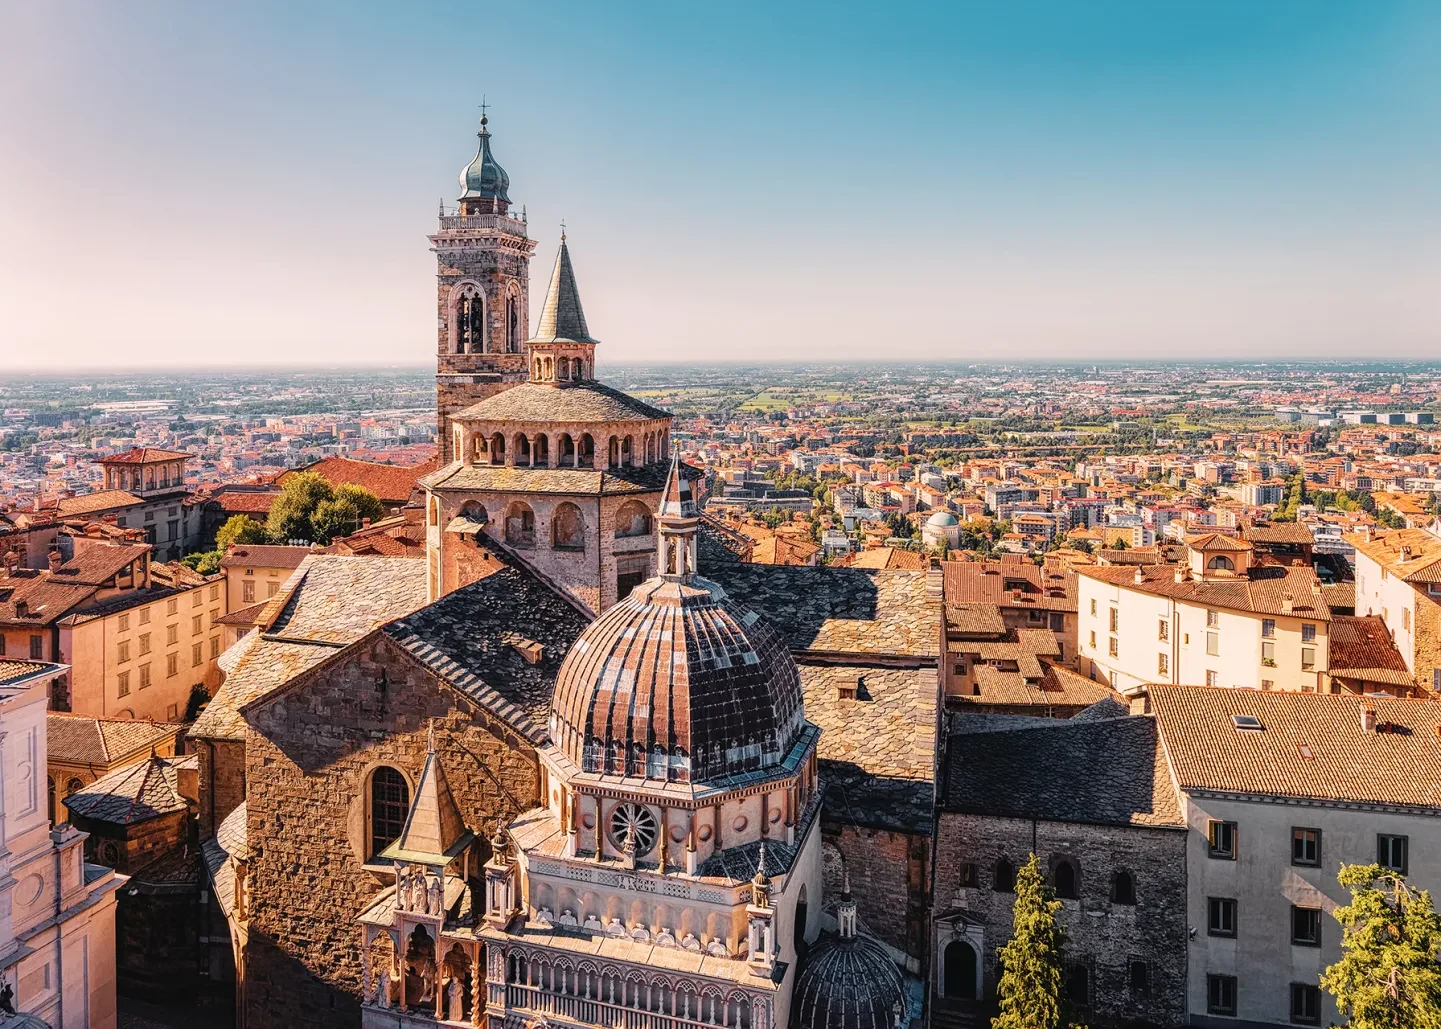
[[540, 403], [1109, 771], [133, 794], [840, 610], [569, 481], [561, 317]]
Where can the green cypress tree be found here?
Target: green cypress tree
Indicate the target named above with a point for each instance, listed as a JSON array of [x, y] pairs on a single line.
[[1388, 976], [1030, 986]]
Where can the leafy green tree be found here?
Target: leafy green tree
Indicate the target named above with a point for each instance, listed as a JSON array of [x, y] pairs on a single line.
[[1032, 959], [1120, 544], [345, 512], [1388, 976], [290, 512], [240, 529], [206, 562]]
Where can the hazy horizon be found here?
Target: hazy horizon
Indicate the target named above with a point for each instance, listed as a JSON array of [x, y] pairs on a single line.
[[198, 188]]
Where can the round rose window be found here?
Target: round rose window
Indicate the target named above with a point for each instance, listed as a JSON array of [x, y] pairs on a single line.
[[635, 822]]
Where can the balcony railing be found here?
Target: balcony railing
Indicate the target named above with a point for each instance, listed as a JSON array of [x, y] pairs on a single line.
[[617, 1016], [498, 222]]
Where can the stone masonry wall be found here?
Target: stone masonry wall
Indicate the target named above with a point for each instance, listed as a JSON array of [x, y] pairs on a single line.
[[309, 758], [1104, 937], [889, 872], [221, 781]]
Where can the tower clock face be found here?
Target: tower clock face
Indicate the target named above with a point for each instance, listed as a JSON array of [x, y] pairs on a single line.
[[634, 821]]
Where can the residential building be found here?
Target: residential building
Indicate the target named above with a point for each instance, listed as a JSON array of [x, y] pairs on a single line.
[[254, 574], [1398, 576], [1278, 791], [141, 652], [1026, 596], [1215, 620], [159, 502], [82, 749]]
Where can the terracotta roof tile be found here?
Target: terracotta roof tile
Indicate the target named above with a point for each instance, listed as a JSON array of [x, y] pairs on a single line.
[[143, 455], [393, 484], [1360, 647], [102, 500], [1264, 591], [1311, 745], [83, 740]]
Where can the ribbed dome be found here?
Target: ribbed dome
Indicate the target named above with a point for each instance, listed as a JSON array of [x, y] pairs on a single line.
[[848, 983], [677, 682], [483, 177]]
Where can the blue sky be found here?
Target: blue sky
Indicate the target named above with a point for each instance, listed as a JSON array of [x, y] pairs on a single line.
[[195, 183]]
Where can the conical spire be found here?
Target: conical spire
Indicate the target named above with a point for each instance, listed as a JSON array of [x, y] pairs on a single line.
[[677, 500], [561, 318], [434, 831], [679, 520]]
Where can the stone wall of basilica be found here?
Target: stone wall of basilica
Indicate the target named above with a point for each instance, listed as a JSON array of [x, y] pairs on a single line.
[[310, 762]]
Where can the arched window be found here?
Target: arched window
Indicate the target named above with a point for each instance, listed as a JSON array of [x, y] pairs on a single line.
[[389, 804], [1067, 881], [73, 786], [541, 447], [586, 457], [1221, 563], [522, 449], [1003, 878], [633, 519], [512, 324], [520, 525], [567, 528], [1123, 888], [627, 451], [1078, 985], [469, 321], [474, 511], [497, 449], [566, 450]]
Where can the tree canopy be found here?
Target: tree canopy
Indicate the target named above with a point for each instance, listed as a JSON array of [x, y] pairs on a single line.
[[1032, 959]]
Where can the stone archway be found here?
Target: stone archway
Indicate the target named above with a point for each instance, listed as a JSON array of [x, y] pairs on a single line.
[[959, 980]]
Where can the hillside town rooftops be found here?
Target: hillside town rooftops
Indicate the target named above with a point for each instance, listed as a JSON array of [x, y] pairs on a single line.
[[85, 740], [1270, 590], [1413, 555], [101, 500]]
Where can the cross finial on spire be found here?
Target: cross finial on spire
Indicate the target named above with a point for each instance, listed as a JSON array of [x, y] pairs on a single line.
[[483, 107], [562, 230]]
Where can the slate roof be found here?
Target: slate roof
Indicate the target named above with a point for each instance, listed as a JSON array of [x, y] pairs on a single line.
[[221, 851], [1110, 771], [571, 481], [975, 619], [854, 611], [876, 752], [1261, 592], [14, 673], [562, 320], [328, 602], [83, 740], [468, 639], [540, 404], [136, 793], [101, 500], [1400, 766], [1360, 647]]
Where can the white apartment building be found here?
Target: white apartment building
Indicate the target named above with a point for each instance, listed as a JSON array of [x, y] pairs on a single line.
[[1279, 790], [1398, 576], [57, 913], [1213, 621]]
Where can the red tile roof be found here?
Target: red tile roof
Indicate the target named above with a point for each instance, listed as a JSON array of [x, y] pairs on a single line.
[[144, 455], [393, 484]]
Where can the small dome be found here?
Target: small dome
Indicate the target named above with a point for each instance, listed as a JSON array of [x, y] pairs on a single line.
[[848, 983], [943, 520], [677, 682], [483, 177]]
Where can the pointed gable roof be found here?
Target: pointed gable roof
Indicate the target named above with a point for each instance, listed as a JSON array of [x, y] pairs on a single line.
[[677, 499], [561, 318], [434, 832]]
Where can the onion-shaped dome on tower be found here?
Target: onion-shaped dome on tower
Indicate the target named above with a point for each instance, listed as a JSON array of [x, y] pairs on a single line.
[[484, 178], [849, 980], [678, 682]]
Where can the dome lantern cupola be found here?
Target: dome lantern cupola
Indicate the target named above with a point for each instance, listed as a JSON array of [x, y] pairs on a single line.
[[849, 979], [484, 184]]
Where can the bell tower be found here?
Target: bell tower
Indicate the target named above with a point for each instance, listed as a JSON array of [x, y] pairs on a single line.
[[482, 292]]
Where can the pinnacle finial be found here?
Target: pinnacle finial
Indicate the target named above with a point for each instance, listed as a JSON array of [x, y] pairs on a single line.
[[430, 738], [562, 230], [483, 106]]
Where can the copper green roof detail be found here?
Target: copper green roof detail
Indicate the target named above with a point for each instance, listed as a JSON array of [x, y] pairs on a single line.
[[561, 318], [484, 178]]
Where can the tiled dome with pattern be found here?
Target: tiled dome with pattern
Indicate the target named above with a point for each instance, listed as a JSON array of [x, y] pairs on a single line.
[[678, 683]]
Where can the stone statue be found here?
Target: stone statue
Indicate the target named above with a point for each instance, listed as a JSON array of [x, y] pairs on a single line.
[[455, 1000], [402, 890], [382, 988], [433, 905], [417, 892]]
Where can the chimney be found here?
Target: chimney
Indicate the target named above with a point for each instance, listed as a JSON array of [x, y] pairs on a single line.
[[1368, 718], [1183, 572], [1316, 588], [1140, 577], [22, 609], [1288, 604], [365, 523], [187, 783], [56, 560]]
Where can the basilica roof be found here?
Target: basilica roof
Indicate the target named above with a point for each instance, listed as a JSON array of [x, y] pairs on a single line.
[[582, 401], [679, 673], [562, 320], [848, 982]]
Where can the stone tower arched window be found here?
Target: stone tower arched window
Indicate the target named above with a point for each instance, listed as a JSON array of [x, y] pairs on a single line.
[[512, 324], [468, 320], [389, 804]]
